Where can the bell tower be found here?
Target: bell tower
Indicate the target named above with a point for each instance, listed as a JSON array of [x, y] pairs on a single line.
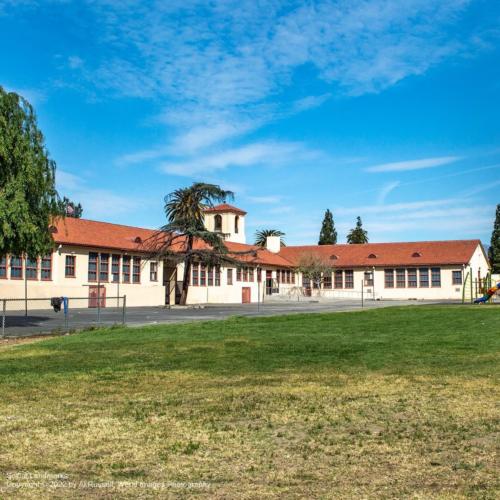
[[227, 220]]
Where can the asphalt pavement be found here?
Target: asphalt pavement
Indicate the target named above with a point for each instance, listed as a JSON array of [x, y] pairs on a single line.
[[47, 321]]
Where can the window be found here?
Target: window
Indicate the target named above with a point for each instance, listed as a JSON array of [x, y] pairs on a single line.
[[349, 278], [115, 268], [436, 277], [218, 223], [238, 274], [31, 268], [93, 258], [16, 268], [210, 276], [250, 274], [126, 268], [259, 274], [136, 270], [203, 275], [368, 276], [236, 224], [104, 267], [153, 271], [196, 275], [389, 278], [46, 267], [338, 280], [412, 278], [327, 281], [293, 277], [456, 277], [3, 267], [400, 278], [229, 276], [69, 266], [424, 277], [245, 274], [217, 276]]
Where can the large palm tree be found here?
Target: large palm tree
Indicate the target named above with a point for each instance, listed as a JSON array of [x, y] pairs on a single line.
[[262, 234], [184, 210]]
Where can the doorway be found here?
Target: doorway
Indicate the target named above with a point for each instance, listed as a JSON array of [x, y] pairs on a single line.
[[169, 281], [246, 295], [97, 296], [269, 282]]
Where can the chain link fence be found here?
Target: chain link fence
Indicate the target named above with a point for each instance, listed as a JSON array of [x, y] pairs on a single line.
[[32, 316]]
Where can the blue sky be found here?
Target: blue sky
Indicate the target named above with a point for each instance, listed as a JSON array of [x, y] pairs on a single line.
[[385, 109]]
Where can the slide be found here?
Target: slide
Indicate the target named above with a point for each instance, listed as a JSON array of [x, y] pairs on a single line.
[[487, 296]]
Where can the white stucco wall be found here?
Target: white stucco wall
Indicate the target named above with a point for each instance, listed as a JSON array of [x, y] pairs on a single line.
[[447, 291], [228, 225], [145, 293], [226, 294]]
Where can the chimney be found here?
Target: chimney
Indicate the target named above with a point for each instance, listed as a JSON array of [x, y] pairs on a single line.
[[273, 244]]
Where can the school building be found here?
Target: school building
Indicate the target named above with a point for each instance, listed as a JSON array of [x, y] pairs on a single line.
[[99, 260]]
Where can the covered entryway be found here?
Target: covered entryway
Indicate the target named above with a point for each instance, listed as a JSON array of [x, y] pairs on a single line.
[[269, 282], [246, 295], [169, 282]]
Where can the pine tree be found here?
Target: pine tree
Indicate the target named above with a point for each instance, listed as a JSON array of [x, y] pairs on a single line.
[[358, 234], [494, 250], [328, 234]]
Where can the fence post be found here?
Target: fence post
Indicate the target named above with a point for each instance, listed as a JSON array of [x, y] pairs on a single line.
[[124, 308], [66, 314], [4, 306]]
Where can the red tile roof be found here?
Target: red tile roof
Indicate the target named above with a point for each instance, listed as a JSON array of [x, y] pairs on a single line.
[[225, 207], [387, 254], [89, 233]]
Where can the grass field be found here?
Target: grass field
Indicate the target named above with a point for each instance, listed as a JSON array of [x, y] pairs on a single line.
[[397, 402]]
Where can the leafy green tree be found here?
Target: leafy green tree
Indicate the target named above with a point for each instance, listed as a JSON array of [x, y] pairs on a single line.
[[28, 197], [262, 234], [71, 209], [358, 234], [177, 240], [494, 250], [328, 234]]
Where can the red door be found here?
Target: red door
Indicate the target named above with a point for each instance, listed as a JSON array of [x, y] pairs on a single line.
[[245, 295], [94, 296]]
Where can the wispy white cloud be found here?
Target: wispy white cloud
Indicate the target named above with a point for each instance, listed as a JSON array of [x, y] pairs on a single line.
[[386, 190], [217, 70], [265, 200], [481, 188], [268, 153], [100, 204], [283, 209], [66, 181], [32, 95], [401, 166], [309, 102], [395, 207], [75, 62]]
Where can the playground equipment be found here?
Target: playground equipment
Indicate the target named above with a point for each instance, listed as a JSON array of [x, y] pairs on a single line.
[[489, 293], [480, 290]]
